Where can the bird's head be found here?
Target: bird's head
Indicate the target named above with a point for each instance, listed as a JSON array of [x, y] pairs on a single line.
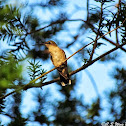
[[50, 43]]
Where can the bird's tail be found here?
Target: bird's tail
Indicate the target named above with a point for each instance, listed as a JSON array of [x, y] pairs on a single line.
[[64, 84], [65, 81]]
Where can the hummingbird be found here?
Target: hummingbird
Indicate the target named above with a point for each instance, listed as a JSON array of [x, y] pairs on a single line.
[[57, 57]]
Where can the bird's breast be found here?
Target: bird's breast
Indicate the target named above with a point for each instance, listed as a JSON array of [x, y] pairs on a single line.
[[58, 56]]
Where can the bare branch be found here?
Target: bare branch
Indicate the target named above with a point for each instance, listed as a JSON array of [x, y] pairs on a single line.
[[87, 10], [101, 56], [117, 22], [98, 32], [104, 37]]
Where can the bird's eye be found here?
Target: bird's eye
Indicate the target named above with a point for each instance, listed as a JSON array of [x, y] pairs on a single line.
[[49, 42]]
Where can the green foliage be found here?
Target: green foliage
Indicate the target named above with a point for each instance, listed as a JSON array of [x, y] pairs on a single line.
[[43, 106], [94, 17], [68, 112], [30, 23], [15, 113], [118, 95], [10, 71], [8, 13], [51, 4], [85, 60], [56, 3], [17, 29], [93, 111], [9, 25], [35, 70]]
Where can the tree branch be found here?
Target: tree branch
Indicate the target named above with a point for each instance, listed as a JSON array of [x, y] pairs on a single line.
[[101, 56], [104, 37], [98, 32], [87, 10], [117, 22]]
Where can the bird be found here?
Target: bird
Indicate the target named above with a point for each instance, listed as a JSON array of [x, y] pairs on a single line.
[[58, 57]]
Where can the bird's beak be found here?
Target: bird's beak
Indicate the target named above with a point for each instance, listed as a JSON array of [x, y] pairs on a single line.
[[43, 43], [40, 44]]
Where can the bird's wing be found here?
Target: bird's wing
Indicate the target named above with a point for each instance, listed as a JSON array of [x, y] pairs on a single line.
[[51, 58], [63, 70], [65, 77], [64, 58]]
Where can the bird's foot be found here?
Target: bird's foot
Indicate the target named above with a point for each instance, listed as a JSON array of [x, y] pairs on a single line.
[[63, 84], [69, 82]]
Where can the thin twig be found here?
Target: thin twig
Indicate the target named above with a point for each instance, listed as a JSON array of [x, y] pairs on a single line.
[[90, 63], [98, 32], [117, 22], [104, 37], [87, 10]]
